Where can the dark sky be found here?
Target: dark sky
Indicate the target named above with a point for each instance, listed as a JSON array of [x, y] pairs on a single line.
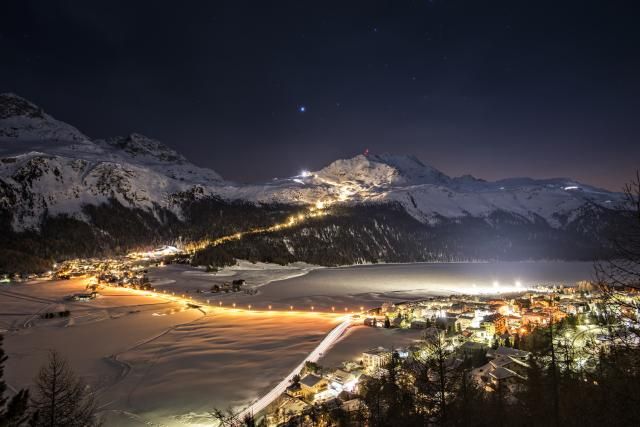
[[491, 88]]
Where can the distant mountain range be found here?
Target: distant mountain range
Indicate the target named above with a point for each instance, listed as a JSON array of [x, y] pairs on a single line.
[[52, 175]]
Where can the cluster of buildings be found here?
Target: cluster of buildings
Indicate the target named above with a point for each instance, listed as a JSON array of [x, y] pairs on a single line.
[[487, 319], [487, 325], [333, 389]]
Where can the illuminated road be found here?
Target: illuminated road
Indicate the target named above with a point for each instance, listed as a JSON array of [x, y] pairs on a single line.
[[324, 346]]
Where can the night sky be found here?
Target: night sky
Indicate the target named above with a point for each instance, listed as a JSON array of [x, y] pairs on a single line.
[[490, 88]]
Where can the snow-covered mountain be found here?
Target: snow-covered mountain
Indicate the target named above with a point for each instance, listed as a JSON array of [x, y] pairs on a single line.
[[429, 195], [49, 168]]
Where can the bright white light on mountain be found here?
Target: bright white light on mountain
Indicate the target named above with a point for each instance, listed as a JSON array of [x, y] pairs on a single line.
[[495, 284], [299, 181], [305, 174], [572, 187], [518, 284]]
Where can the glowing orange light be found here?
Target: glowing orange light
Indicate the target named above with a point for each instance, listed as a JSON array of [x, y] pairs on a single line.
[[269, 307], [290, 307], [333, 309], [249, 306], [234, 305], [312, 308]]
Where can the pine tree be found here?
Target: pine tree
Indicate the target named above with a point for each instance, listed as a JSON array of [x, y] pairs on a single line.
[[13, 412], [61, 398]]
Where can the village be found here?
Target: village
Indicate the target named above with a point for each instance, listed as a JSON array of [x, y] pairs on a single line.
[[486, 337]]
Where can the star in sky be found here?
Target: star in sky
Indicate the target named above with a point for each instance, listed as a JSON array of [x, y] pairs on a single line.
[[302, 109]]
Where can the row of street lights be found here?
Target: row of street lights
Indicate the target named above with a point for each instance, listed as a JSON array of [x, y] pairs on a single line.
[[250, 306]]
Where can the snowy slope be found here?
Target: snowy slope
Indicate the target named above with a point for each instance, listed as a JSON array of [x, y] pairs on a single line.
[[429, 195], [49, 167]]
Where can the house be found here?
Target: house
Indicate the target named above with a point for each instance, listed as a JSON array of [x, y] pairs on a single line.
[[494, 324], [311, 384], [286, 408], [342, 380], [479, 335], [503, 371], [376, 358], [295, 390], [464, 321], [534, 318], [508, 351]]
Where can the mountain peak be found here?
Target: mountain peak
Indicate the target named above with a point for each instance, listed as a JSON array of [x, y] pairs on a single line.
[[12, 105], [384, 169], [22, 120]]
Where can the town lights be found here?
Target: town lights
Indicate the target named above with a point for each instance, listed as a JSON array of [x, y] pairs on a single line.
[[319, 205]]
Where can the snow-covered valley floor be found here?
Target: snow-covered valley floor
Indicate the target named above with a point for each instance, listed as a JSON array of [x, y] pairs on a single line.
[[151, 360]]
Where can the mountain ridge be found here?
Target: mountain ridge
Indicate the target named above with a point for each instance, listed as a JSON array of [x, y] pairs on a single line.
[[49, 170]]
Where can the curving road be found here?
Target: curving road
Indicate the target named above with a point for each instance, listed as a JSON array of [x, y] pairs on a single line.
[[324, 345]]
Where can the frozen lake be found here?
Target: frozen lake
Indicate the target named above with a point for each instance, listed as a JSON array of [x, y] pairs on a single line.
[[370, 285]]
